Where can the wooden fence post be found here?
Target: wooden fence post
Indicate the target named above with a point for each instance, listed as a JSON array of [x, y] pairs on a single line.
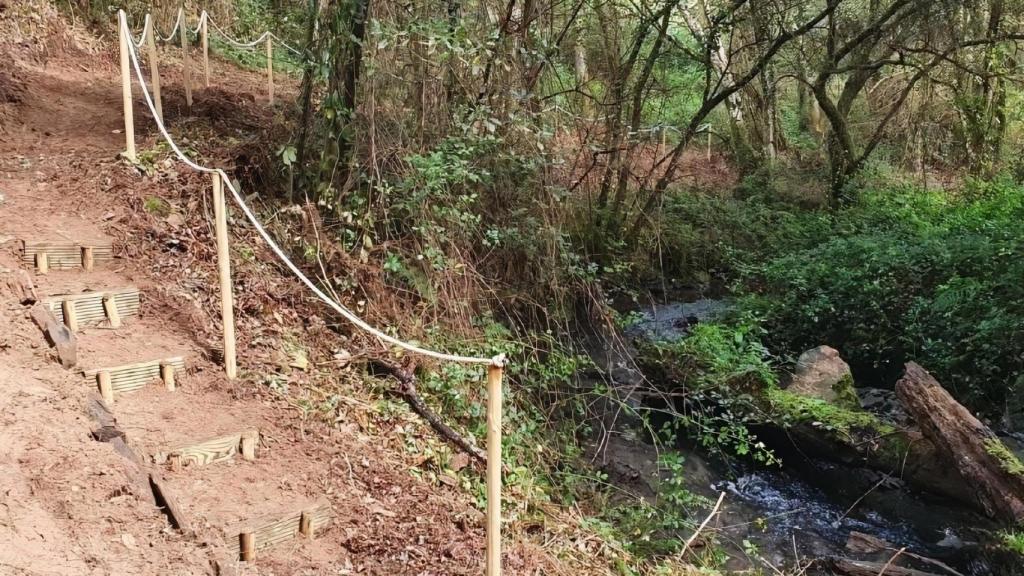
[[494, 391], [186, 65], [270, 68], [709, 142], [206, 51], [126, 87], [227, 311], [154, 69]]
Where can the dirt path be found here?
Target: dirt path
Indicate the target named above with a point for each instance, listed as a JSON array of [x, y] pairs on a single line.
[[71, 504]]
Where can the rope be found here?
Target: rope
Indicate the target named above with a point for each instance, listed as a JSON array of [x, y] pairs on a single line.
[[263, 37], [145, 30], [174, 32], [339, 308]]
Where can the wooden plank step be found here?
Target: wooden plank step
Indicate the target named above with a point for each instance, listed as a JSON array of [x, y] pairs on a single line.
[[46, 255], [91, 308], [247, 539], [210, 451], [121, 379]]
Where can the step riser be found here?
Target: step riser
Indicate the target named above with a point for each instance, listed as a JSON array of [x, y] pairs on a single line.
[[211, 451], [132, 377], [274, 532], [64, 256], [89, 308]]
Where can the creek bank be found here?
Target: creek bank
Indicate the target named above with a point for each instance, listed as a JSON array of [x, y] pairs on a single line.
[[847, 469]]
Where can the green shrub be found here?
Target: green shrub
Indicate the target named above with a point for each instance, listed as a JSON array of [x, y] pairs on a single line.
[[909, 275], [718, 374]]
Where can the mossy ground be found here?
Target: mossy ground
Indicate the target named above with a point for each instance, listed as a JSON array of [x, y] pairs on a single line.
[[793, 408]]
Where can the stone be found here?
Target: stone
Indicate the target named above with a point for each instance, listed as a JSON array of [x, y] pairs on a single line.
[[821, 373]]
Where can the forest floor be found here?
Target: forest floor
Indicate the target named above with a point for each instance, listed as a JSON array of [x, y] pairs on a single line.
[[68, 502]]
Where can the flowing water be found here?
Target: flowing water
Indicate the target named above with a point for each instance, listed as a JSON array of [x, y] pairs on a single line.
[[782, 518]]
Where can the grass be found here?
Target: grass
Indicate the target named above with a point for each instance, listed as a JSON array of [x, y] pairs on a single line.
[[1007, 460], [1013, 540]]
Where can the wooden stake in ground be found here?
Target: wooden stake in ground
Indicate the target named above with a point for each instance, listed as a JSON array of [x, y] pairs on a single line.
[[186, 65], [494, 377], [154, 69], [270, 68], [206, 51], [126, 87], [227, 310]]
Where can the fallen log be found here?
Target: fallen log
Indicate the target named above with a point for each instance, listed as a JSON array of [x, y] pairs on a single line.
[[57, 334], [996, 476]]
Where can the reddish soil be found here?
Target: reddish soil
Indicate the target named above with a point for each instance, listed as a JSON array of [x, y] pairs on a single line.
[[69, 502]]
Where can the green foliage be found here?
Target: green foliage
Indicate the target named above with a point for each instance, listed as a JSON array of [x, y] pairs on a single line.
[[706, 235], [907, 274], [1008, 461], [720, 372], [156, 206], [789, 408], [538, 447], [1013, 540]]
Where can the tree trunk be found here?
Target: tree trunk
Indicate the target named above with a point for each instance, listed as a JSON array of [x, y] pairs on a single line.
[[975, 451]]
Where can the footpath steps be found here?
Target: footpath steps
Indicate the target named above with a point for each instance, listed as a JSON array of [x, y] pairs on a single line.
[[209, 463]]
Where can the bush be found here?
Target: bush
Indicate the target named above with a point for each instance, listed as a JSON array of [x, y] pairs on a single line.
[[910, 275]]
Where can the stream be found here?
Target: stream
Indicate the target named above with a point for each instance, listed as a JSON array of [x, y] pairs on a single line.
[[783, 518]]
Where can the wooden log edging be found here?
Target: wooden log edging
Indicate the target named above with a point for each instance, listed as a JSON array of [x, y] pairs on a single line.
[[251, 537], [209, 451], [91, 308], [64, 255], [130, 377], [971, 446]]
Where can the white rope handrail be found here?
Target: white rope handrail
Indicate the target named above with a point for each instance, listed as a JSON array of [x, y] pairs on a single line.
[[199, 26], [263, 37], [174, 32], [339, 308], [145, 30]]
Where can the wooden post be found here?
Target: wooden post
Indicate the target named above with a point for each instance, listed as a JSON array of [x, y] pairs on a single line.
[[248, 445], [70, 315], [110, 307], [186, 65], [154, 69], [247, 542], [270, 68], [106, 388], [88, 257], [126, 87], [206, 51], [42, 262], [494, 377], [227, 310], [306, 525], [709, 143], [167, 375]]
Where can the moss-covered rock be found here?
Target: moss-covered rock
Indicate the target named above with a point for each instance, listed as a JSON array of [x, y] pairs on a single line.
[[821, 373]]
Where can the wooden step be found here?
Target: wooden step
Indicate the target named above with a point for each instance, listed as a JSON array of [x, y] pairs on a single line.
[[254, 536], [45, 255], [121, 379], [210, 451], [92, 308]]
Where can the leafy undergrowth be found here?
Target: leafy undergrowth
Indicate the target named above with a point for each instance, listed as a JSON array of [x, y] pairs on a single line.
[[301, 356]]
